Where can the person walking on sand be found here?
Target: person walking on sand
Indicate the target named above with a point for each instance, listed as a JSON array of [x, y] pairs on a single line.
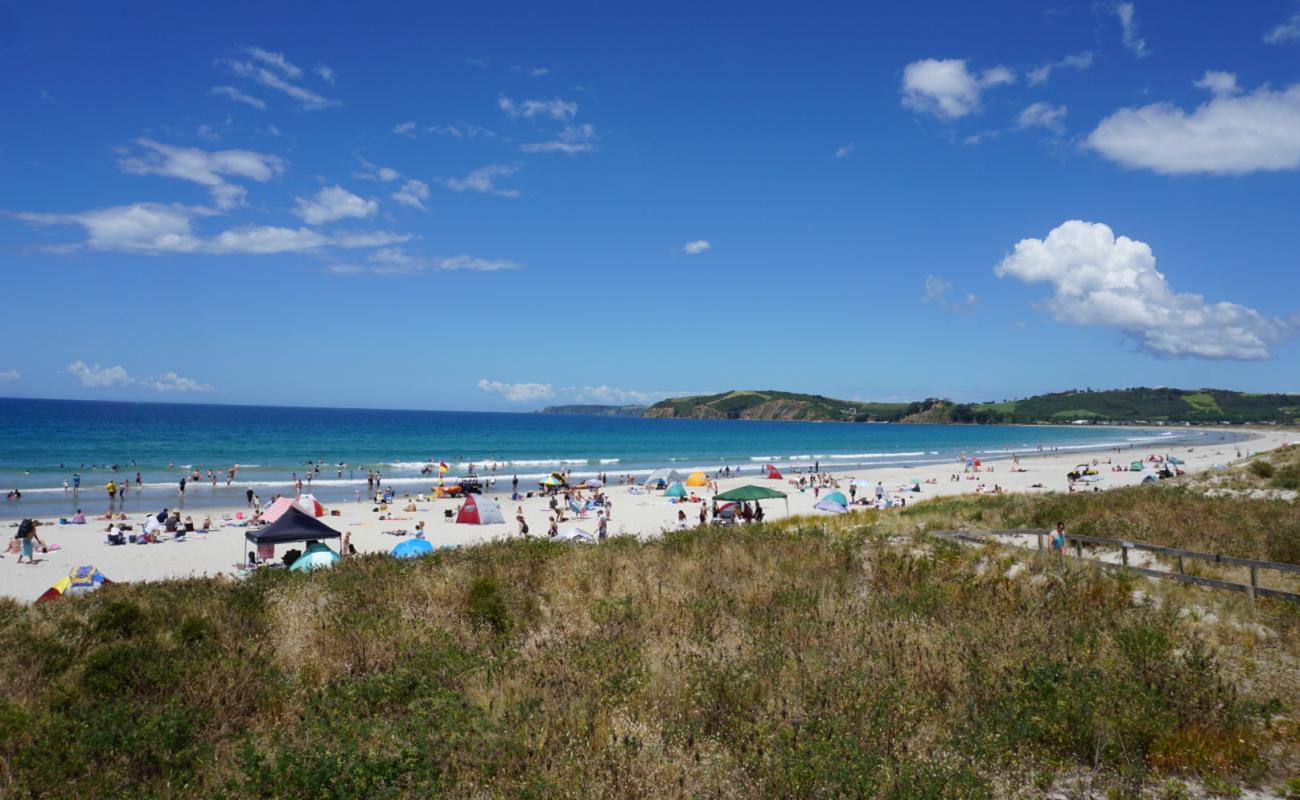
[[602, 526], [28, 539], [1058, 539], [523, 525]]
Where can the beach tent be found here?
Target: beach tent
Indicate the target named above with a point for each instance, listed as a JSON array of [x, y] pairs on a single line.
[[773, 473], [752, 492], [593, 483], [662, 477], [676, 490], [294, 525], [697, 479], [575, 535], [412, 548], [79, 581], [308, 503], [831, 506], [277, 509], [315, 556], [479, 510], [1136, 466], [836, 497]]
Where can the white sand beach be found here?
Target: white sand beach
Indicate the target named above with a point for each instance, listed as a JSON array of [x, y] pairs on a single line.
[[221, 552]]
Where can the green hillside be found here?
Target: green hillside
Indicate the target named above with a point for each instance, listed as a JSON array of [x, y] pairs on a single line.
[[1113, 405]]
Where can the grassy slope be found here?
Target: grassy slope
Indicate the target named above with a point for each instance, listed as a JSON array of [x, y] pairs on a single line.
[[830, 657]]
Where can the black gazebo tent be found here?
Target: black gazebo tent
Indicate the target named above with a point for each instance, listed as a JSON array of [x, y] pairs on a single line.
[[294, 525]]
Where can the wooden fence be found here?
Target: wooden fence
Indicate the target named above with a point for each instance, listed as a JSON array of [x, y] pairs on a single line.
[[1252, 589]]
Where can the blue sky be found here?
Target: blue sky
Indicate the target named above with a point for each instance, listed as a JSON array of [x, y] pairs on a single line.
[[499, 206]]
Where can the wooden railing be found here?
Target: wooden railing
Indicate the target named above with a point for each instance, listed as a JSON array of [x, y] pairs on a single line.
[[1252, 589]]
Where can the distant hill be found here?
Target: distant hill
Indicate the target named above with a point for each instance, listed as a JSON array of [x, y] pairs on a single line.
[[1113, 405], [1142, 404], [604, 411]]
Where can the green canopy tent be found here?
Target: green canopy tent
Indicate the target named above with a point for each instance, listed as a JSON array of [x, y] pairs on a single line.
[[752, 492]]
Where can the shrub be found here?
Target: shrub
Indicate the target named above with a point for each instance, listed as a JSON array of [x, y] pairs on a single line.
[[486, 605]]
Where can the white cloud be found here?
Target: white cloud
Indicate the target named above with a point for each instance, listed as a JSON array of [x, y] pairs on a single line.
[[395, 261], [1129, 27], [946, 89], [528, 109], [333, 203], [98, 377], [518, 392], [405, 129], [1288, 30], [539, 72], [696, 247], [135, 228], [9, 375], [1228, 134], [844, 151], [155, 229], [462, 130], [612, 395], [1042, 115], [483, 180], [374, 172], [274, 71], [238, 96], [412, 193], [1080, 62], [326, 74], [171, 382], [1101, 279], [573, 139], [1218, 83], [207, 168], [276, 60], [937, 290]]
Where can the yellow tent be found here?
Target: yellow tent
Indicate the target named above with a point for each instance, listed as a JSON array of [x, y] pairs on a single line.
[[697, 479]]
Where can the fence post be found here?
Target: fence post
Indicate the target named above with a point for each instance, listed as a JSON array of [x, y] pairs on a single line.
[[1180, 565], [1078, 548], [1254, 580], [1040, 541], [1124, 552]]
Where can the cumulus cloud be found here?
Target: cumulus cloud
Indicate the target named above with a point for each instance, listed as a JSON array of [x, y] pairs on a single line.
[[171, 382], [412, 193], [1042, 115], [273, 71], [1100, 279], [483, 180], [946, 89], [98, 377], [518, 392], [238, 96], [1129, 30], [9, 375], [333, 203], [207, 168], [696, 247], [1288, 30], [1230, 134], [555, 108], [155, 229], [1080, 62], [939, 290]]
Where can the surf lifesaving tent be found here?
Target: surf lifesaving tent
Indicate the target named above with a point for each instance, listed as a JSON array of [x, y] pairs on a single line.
[[676, 490], [479, 510], [315, 556], [752, 492], [79, 581], [662, 477], [773, 473], [697, 479]]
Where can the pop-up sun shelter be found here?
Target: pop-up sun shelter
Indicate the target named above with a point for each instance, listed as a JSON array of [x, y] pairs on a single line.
[[676, 490], [79, 581], [315, 556], [294, 525], [480, 510], [752, 492], [309, 504], [662, 477], [697, 479]]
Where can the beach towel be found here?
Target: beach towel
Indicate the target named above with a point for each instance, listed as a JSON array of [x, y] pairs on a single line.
[[265, 552]]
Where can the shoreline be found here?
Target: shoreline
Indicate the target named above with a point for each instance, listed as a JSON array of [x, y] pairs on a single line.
[[221, 551]]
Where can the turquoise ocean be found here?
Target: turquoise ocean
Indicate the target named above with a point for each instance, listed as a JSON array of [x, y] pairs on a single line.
[[46, 442]]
